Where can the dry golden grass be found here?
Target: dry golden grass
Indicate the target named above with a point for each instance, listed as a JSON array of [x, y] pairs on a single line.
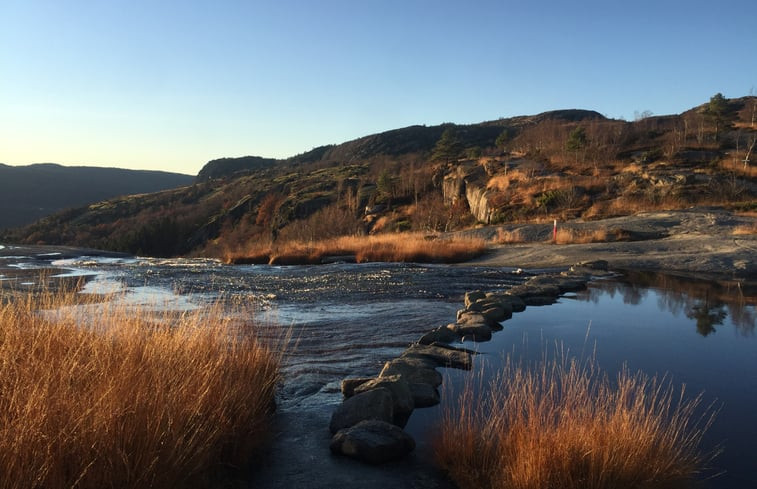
[[572, 236], [745, 230], [738, 167], [623, 206], [564, 425], [400, 247], [509, 237], [127, 398]]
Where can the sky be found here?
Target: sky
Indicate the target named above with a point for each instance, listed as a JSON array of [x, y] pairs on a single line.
[[170, 85]]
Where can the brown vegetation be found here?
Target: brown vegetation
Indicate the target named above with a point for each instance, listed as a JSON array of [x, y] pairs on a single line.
[[745, 230], [509, 237], [407, 247], [572, 236], [561, 164], [563, 424], [126, 398]]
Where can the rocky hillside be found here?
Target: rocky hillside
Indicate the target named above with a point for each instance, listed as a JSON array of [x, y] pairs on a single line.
[[562, 164], [28, 193]]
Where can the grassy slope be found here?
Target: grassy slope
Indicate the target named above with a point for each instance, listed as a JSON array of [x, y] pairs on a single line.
[[618, 168]]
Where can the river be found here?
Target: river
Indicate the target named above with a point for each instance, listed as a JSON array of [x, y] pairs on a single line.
[[346, 320]]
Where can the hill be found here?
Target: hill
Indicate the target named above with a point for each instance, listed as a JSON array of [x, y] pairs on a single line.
[[28, 193], [563, 164]]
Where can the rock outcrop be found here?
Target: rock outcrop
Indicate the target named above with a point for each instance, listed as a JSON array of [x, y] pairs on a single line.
[[468, 182]]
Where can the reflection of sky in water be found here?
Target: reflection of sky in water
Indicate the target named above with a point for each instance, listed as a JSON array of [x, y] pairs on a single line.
[[648, 330]]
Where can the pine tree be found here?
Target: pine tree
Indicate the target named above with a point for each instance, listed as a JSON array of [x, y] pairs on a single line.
[[448, 148]]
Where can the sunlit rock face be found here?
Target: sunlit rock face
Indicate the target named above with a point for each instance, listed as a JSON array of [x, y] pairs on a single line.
[[468, 181]]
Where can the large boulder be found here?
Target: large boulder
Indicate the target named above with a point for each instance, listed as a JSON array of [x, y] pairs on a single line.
[[373, 441], [477, 332], [516, 303], [442, 334], [471, 297], [413, 370], [424, 395], [376, 404], [402, 398]]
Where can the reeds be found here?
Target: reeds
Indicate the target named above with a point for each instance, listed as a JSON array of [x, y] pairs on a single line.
[[127, 398], [563, 424], [404, 247]]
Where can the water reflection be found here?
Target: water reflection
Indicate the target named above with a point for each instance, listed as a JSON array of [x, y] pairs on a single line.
[[706, 302], [707, 316]]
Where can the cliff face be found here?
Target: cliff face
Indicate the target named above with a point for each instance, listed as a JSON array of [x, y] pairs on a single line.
[[468, 181], [478, 202]]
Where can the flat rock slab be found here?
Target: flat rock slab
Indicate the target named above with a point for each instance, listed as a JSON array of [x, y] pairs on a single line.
[[562, 282], [374, 442], [443, 357], [375, 404], [525, 291]]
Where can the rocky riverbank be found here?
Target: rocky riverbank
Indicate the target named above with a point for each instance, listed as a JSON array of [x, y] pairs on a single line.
[[701, 241]]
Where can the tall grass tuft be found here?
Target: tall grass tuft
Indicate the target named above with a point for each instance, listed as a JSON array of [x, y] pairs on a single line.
[[127, 398], [563, 424]]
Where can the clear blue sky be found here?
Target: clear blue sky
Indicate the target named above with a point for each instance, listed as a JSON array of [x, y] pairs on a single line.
[[170, 85]]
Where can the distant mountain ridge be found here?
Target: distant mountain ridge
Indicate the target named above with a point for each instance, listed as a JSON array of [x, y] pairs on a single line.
[[394, 142], [28, 193]]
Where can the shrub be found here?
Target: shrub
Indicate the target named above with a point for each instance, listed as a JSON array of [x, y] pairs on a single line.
[[563, 424], [125, 397]]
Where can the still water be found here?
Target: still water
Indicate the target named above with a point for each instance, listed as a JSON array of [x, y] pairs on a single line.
[[347, 320], [701, 334]]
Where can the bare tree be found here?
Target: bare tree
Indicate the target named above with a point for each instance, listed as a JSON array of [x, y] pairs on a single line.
[[749, 151]]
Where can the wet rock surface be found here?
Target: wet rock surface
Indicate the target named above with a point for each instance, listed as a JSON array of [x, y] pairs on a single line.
[[373, 442]]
